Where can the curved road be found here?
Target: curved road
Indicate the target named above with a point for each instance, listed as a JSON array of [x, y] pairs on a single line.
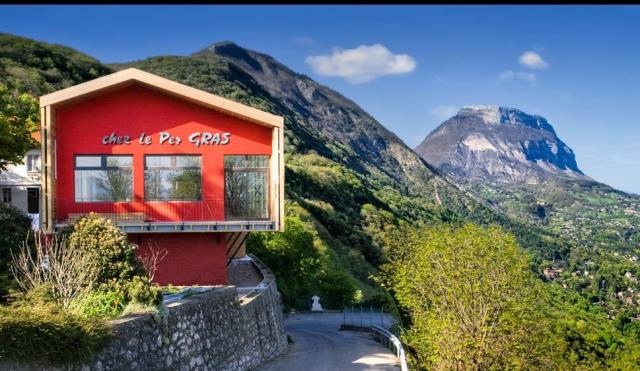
[[319, 346]]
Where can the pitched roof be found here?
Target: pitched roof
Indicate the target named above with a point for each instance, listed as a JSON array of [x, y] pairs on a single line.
[[186, 92]]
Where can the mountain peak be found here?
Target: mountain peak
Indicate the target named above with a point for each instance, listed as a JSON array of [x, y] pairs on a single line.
[[501, 144], [222, 46], [494, 115]]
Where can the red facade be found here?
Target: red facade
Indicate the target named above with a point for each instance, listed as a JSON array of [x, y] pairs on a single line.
[[84, 126], [191, 258], [132, 111]]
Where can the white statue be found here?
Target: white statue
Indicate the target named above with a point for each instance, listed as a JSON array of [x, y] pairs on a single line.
[[316, 307]]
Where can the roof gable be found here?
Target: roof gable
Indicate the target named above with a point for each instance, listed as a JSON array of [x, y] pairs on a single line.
[[197, 96]]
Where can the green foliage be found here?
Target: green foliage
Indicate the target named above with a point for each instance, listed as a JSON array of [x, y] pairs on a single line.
[[39, 68], [122, 279], [301, 266], [16, 227], [114, 253], [471, 299], [598, 226], [100, 304], [39, 295], [44, 333], [588, 340], [18, 119], [140, 291]]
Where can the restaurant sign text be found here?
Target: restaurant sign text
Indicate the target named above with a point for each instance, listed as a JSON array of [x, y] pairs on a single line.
[[164, 137]]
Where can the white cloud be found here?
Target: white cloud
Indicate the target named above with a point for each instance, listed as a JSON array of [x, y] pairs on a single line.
[[533, 60], [362, 64], [444, 112], [511, 75]]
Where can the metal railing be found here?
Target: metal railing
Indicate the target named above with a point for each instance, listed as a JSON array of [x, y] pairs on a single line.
[[362, 316], [206, 209], [148, 211], [372, 319], [268, 279], [391, 342]]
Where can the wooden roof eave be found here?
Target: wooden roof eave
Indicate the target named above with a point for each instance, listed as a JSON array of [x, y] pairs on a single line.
[[132, 75]]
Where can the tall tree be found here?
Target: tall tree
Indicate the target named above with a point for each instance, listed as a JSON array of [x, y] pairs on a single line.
[[471, 297], [18, 119]]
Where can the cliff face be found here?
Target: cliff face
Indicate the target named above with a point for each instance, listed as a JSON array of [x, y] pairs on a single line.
[[499, 144]]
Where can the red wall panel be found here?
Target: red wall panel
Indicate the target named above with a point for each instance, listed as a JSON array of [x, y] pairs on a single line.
[[140, 109], [191, 259]]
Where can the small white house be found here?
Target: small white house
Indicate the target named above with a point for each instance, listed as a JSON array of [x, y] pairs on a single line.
[[20, 185]]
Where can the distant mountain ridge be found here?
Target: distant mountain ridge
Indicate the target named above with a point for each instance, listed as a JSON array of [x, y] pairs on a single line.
[[499, 144]]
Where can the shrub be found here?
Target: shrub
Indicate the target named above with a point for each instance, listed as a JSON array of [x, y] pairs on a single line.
[[113, 252], [69, 273], [100, 304], [45, 333], [39, 295], [141, 291], [15, 226]]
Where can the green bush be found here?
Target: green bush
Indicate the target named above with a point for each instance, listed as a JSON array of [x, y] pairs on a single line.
[[16, 227], [46, 334], [39, 295], [141, 291], [100, 304], [114, 253], [122, 279], [302, 267]]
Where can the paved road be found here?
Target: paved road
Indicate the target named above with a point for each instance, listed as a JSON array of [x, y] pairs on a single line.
[[319, 346]]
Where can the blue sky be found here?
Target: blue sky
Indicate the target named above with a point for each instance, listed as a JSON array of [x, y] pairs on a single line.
[[420, 62]]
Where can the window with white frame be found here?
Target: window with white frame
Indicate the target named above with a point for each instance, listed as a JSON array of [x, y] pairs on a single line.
[[33, 163]]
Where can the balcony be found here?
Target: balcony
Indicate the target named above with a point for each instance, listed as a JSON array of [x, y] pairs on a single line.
[[206, 215]]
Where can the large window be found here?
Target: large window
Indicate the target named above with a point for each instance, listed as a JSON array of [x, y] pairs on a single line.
[[172, 178], [246, 186], [103, 178]]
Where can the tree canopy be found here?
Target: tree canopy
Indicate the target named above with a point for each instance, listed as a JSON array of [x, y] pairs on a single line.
[[18, 119]]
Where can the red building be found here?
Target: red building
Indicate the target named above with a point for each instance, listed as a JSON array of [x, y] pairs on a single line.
[[178, 169]]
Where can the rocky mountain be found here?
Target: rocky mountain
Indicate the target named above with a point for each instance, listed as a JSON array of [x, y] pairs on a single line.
[[515, 162], [499, 144]]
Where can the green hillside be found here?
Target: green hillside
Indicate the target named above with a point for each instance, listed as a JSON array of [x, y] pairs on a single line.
[[602, 223]]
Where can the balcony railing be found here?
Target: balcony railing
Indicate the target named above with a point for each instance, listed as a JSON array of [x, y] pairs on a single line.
[[153, 213]]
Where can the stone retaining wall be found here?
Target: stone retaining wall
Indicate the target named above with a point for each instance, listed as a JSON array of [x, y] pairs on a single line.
[[209, 331]]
